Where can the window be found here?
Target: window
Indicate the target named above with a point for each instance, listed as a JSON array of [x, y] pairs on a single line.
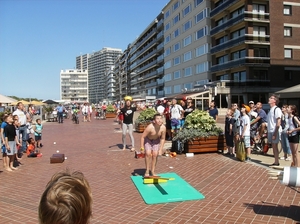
[[188, 85], [167, 64], [167, 14], [177, 89], [200, 33], [239, 33], [237, 12], [187, 25], [167, 39], [198, 2], [168, 90], [167, 26], [176, 5], [223, 59], [176, 60], [287, 10], [168, 77], [259, 31], [176, 19], [288, 75], [287, 31], [259, 8], [201, 15], [188, 71], [239, 76], [187, 40], [177, 75], [203, 67], [176, 33], [202, 50], [176, 47], [167, 51], [287, 53], [187, 56], [186, 10]]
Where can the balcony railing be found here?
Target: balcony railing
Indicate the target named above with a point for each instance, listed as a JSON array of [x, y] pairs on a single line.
[[147, 66], [151, 84], [160, 82], [222, 7], [226, 24], [160, 70], [151, 74], [149, 45], [160, 46], [146, 57], [146, 38], [249, 61], [160, 34], [251, 16], [160, 58], [247, 82], [160, 23], [257, 39], [228, 44]]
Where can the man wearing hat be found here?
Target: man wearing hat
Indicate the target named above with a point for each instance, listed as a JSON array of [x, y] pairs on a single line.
[[127, 112]]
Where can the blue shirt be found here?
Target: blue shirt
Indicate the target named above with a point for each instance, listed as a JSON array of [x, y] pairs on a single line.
[[213, 112], [60, 109], [3, 124]]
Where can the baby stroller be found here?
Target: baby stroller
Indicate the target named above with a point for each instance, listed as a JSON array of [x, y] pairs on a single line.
[[259, 146]]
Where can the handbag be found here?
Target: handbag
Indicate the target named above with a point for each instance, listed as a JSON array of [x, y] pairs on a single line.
[[241, 152]]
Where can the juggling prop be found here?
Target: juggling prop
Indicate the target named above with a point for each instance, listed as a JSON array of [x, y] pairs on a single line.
[[288, 175]]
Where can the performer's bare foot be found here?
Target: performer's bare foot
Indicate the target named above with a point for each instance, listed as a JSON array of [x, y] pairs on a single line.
[[8, 169], [132, 149], [13, 168], [146, 175], [124, 148]]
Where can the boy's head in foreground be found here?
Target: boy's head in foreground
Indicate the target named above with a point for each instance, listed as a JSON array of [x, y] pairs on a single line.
[[67, 199]]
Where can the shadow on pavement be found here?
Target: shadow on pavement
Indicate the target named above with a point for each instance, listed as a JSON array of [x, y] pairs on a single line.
[[138, 172], [291, 212]]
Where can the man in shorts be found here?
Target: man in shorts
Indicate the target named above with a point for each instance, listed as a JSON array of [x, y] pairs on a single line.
[[152, 141]]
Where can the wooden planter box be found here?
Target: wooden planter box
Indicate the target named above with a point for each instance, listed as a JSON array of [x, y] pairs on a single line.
[[209, 144], [140, 128], [110, 115]]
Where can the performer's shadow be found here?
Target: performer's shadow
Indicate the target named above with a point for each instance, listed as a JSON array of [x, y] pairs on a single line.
[[292, 212], [138, 172]]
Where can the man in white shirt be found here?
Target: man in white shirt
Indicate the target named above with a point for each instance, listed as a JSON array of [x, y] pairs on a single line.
[[274, 126], [160, 108], [176, 114], [23, 128]]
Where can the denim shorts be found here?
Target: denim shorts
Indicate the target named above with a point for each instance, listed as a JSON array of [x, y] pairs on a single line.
[[278, 137], [247, 141]]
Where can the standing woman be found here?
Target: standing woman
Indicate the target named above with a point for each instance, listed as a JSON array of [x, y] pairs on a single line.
[[294, 126], [284, 136]]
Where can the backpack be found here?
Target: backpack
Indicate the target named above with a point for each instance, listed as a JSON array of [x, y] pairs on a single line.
[[296, 124]]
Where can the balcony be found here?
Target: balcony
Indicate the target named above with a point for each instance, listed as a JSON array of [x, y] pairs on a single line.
[[160, 94], [228, 44], [254, 39], [150, 75], [160, 82], [222, 7], [247, 61], [257, 17], [153, 63], [160, 35], [160, 23], [146, 38], [151, 84], [160, 46], [146, 57], [227, 24], [160, 58], [248, 82], [160, 70], [147, 47]]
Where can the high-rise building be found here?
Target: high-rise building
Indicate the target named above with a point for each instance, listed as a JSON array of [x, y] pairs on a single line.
[[74, 85], [186, 45], [255, 46]]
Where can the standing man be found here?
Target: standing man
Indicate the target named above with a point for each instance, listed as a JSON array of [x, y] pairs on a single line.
[[127, 112], [176, 112], [22, 128], [60, 111], [274, 126], [152, 141], [168, 119], [213, 111], [236, 125]]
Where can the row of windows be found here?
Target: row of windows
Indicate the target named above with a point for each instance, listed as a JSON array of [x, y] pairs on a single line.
[[199, 51], [200, 16], [185, 11], [188, 40], [188, 71]]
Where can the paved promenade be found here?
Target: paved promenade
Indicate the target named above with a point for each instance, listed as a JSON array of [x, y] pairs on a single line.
[[236, 192]]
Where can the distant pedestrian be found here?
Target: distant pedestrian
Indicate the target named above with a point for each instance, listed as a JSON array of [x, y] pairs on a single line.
[[229, 122], [284, 136], [167, 114], [38, 128], [22, 128], [189, 108], [245, 129], [274, 126], [176, 114], [60, 113], [236, 126]]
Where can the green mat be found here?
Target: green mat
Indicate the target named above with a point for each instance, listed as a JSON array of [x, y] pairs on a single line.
[[171, 191]]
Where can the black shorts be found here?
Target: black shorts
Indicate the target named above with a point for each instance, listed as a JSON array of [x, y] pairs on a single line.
[[294, 139], [168, 124], [229, 139], [37, 138]]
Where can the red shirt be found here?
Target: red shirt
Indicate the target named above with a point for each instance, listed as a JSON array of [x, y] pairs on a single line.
[[30, 149]]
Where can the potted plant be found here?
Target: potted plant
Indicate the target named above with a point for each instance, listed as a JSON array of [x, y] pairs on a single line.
[[201, 134], [110, 111], [145, 118], [48, 113]]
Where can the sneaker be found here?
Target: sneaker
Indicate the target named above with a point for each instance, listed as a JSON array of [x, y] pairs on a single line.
[[283, 158], [288, 159], [248, 159]]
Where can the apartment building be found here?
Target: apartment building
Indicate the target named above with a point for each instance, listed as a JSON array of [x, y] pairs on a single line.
[[97, 64], [186, 45], [255, 47], [74, 85]]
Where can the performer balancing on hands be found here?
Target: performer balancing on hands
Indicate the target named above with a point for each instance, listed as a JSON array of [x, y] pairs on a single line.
[[152, 141]]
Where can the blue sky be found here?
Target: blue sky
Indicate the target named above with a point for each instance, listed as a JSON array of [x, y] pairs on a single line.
[[38, 38]]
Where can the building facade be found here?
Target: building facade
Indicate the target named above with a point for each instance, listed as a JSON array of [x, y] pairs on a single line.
[[97, 63], [74, 85], [186, 45], [255, 47]]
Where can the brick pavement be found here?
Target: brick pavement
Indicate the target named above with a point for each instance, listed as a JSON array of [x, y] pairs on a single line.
[[235, 192]]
